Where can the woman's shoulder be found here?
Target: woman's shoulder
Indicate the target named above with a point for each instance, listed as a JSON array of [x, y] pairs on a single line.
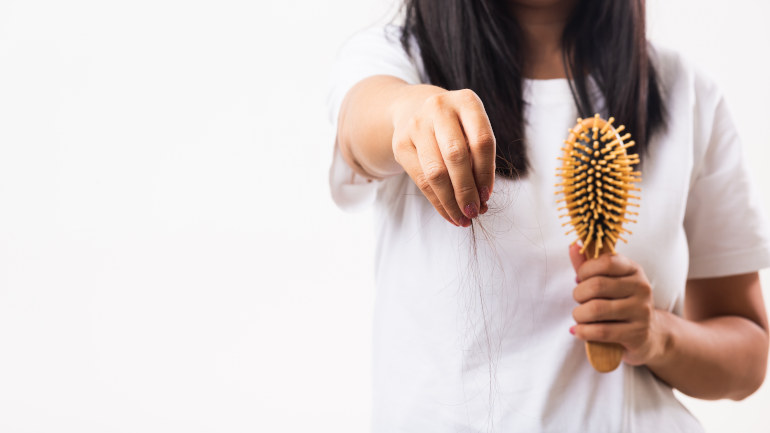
[[381, 48], [680, 77], [375, 50], [694, 103]]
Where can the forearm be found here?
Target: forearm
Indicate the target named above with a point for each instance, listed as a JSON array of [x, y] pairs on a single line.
[[720, 357], [367, 118]]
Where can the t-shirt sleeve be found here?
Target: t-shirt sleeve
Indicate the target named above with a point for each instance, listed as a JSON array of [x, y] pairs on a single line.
[[727, 231], [375, 51]]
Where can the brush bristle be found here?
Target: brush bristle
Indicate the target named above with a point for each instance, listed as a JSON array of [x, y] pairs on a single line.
[[597, 178]]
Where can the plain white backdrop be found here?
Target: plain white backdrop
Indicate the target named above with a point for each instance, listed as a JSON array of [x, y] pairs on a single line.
[[170, 259]]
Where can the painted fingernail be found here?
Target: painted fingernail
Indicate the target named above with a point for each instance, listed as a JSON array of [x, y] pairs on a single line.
[[577, 279], [484, 194], [464, 221], [471, 210], [484, 208], [572, 330]]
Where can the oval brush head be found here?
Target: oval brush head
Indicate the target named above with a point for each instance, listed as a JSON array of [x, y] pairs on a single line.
[[598, 176], [597, 179]]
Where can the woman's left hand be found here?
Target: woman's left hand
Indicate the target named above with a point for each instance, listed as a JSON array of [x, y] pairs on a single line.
[[616, 306]]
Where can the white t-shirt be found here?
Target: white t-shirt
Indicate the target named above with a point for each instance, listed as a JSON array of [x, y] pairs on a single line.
[[474, 340]]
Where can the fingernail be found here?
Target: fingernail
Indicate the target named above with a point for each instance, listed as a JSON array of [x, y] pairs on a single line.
[[484, 194], [572, 330], [471, 210], [577, 279], [465, 222], [484, 208]]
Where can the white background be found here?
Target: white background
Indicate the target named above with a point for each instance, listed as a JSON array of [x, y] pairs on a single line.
[[170, 259]]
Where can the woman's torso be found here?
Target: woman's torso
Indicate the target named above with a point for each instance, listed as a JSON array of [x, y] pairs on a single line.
[[471, 336]]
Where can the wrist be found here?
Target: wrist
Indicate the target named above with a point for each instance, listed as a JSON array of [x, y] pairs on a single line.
[[662, 327]]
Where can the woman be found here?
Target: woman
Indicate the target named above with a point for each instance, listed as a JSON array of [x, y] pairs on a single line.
[[459, 115]]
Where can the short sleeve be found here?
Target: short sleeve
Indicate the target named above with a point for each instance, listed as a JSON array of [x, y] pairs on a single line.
[[375, 51], [727, 231]]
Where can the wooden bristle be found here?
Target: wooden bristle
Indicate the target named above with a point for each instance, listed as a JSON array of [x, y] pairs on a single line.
[[597, 178]]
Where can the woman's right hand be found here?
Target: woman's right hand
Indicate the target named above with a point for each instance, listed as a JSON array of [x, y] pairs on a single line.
[[444, 141]]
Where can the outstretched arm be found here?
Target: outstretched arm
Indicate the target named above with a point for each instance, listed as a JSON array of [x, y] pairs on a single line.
[[442, 139]]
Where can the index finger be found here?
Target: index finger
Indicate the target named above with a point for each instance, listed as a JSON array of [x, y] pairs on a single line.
[[608, 265], [481, 140]]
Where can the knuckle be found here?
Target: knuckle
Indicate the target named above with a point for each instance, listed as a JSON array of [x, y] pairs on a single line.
[[456, 151], [399, 146], [482, 174], [467, 95], [647, 312], [602, 332], [436, 173], [596, 308], [424, 186], [646, 291], [616, 310], [597, 288], [464, 190], [414, 123], [484, 142], [422, 182], [436, 101]]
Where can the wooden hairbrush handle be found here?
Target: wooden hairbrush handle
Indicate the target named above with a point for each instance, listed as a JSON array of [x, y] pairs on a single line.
[[597, 180], [604, 357]]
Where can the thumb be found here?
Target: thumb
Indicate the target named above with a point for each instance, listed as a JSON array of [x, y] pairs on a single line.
[[575, 256]]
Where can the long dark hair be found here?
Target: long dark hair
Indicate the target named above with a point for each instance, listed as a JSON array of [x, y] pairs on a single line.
[[477, 44]]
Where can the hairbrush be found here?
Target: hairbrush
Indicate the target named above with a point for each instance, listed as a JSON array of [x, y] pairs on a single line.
[[597, 179]]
